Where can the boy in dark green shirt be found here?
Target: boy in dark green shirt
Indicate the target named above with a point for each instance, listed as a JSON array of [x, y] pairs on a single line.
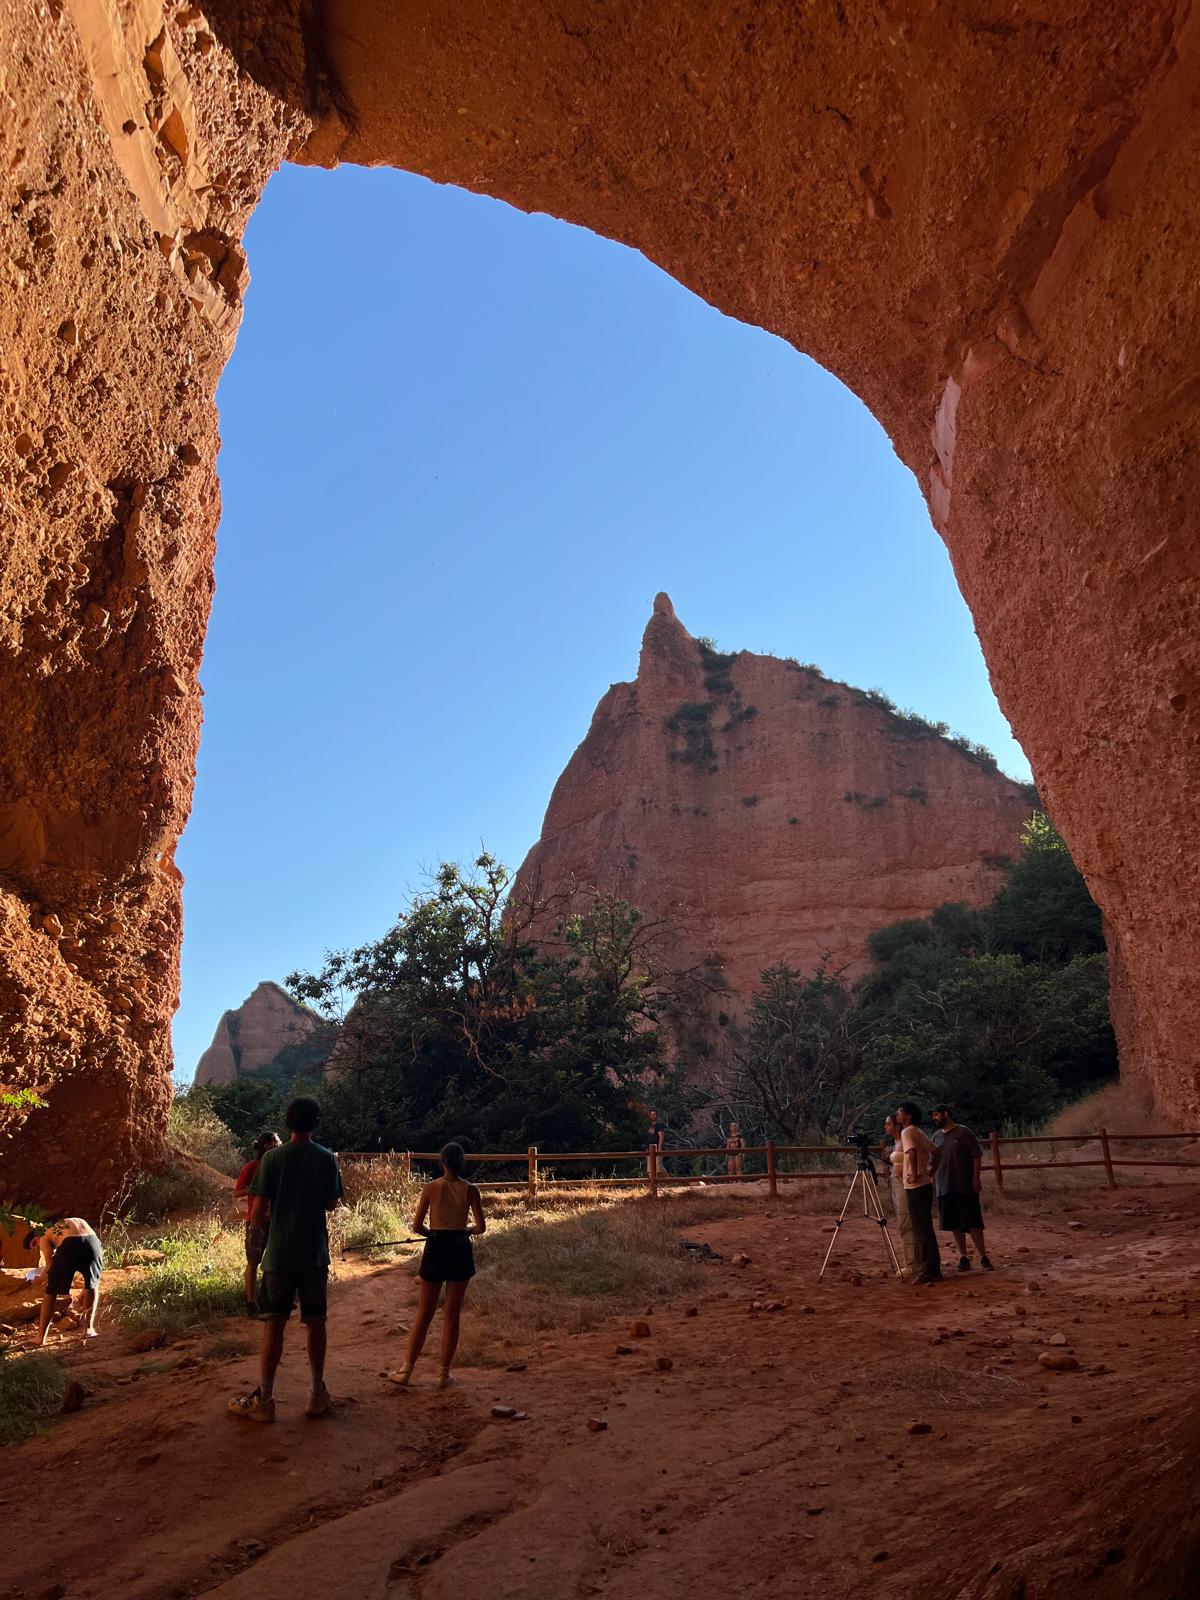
[[300, 1182]]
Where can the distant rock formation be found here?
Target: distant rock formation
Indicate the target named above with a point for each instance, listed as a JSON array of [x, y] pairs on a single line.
[[256, 1034], [765, 813]]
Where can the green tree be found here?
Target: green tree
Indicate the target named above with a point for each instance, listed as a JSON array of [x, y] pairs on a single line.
[[804, 1053], [1044, 911], [459, 1023]]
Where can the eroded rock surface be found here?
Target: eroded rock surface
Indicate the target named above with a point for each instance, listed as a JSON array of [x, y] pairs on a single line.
[[760, 812], [255, 1034], [981, 217]]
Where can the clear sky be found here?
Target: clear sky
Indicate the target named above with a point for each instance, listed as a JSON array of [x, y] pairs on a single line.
[[463, 449]]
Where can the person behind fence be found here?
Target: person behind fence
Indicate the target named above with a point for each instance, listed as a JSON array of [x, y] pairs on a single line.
[[920, 1164], [300, 1182], [67, 1247], [734, 1146], [256, 1236], [959, 1182], [892, 1129], [455, 1213], [655, 1133]]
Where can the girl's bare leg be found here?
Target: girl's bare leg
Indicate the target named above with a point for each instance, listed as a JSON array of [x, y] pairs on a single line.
[[426, 1307], [451, 1315]]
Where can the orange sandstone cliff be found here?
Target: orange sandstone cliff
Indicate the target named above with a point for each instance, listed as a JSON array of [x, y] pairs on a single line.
[[762, 813], [980, 217]]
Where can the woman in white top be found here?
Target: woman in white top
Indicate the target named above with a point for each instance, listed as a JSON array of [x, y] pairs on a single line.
[[892, 1129], [447, 1258]]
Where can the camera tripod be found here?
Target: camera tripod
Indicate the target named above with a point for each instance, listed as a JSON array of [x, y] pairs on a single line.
[[864, 1178]]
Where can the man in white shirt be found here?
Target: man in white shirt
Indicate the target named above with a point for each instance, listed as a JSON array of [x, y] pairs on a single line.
[[921, 1159]]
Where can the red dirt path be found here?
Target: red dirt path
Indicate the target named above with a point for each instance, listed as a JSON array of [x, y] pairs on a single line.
[[773, 1459]]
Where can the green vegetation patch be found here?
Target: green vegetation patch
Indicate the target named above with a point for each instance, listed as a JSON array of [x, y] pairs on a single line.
[[31, 1388], [200, 1280]]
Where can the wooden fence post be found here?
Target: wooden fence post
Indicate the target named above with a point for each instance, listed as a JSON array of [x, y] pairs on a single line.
[[772, 1186], [652, 1169], [406, 1164], [533, 1172], [996, 1167], [1108, 1165]]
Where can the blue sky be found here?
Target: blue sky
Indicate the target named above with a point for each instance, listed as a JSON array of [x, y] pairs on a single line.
[[463, 449]]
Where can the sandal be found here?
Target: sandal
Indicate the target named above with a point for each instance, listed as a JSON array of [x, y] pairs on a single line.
[[401, 1377]]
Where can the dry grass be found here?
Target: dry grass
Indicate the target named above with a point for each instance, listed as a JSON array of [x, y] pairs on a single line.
[[933, 1385], [568, 1262], [1120, 1107]]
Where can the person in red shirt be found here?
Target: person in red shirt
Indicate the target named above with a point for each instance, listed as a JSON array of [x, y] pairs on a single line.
[[256, 1233]]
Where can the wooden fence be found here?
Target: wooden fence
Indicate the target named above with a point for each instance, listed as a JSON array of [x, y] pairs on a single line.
[[538, 1165]]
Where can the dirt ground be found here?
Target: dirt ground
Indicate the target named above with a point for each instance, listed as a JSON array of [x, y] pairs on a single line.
[[775, 1457]]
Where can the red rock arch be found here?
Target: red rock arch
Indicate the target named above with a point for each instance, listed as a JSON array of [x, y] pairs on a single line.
[[981, 217]]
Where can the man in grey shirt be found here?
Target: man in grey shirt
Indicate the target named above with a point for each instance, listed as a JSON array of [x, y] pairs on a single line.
[[957, 1182]]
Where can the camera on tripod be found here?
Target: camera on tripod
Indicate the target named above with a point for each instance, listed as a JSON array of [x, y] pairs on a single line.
[[858, 1139]]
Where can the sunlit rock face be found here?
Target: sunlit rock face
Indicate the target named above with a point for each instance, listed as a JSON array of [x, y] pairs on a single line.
[[758, 812], [255, 1035], [980, 218]]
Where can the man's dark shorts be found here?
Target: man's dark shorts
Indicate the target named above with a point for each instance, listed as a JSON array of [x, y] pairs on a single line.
[[78, 1253], [277, 1293], [959, 1213], [256, 1242]]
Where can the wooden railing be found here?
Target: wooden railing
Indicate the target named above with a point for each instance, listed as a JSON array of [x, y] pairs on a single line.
[[535, 1162]]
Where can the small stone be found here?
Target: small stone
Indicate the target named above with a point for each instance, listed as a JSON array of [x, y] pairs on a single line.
[[741, 1259], [52, 925], [597, 1425], [148, 1339], [1074, 1224], [1076, 1419], [639, 1330], [515, 1366], [147, 1460], [623, 1350], [1058, 1361], [920, 1427], [815, 1511], [880, 1555], [664, 1363], [692, 1311], [504, 1412], [1058, 1338], [54, 1591]]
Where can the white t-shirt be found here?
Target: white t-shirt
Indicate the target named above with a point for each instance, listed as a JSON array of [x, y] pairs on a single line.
[[914, 1139]]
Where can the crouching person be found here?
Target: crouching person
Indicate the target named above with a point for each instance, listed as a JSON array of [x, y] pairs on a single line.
[[67, 1247], [300, 1182]]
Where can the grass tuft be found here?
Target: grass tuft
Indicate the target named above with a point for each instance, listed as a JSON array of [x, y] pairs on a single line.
[[31, 1387], [200, 1280]]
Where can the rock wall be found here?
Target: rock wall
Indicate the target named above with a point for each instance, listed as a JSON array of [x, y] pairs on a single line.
[[981, 216], [253, 1035], [759, 812]]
